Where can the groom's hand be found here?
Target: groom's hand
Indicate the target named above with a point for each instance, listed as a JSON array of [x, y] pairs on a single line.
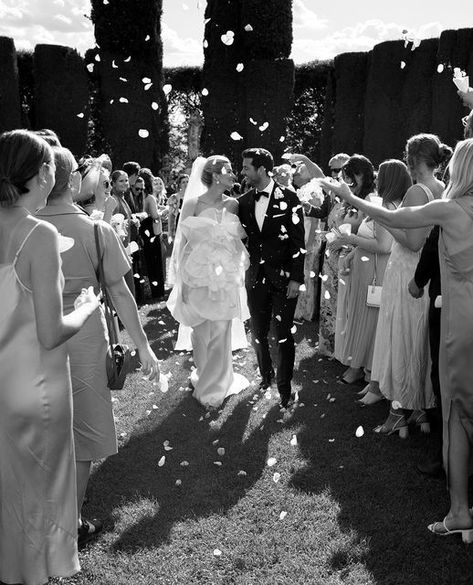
[[292, 289]]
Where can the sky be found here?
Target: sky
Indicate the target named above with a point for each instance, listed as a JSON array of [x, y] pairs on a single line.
[[322, 28]]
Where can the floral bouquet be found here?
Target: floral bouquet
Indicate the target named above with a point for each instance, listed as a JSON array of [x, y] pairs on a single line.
[[311, 192], [345, 228]]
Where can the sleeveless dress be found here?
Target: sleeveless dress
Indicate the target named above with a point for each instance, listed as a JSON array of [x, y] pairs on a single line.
[[360, 329], [212, 265], [401, 349], [456, 341], [38, 502]]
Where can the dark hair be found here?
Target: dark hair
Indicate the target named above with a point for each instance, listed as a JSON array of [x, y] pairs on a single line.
[[147, 177], [131, 168], [360, 165], [22, 154], [393, 180], [50, 136], [214, 164], [260, 157], [428, 149], [65, 163], [180, 178]]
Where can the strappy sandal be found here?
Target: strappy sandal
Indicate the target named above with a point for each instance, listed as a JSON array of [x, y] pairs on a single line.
[[395, 423], [87, 531], [419, 418], [440, 529]]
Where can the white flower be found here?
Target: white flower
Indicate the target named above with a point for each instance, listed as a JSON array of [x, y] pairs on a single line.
[[311, 192], [278, 194]]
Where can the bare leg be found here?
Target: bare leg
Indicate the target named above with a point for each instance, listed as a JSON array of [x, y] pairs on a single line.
[[458, 459], [83, 473]]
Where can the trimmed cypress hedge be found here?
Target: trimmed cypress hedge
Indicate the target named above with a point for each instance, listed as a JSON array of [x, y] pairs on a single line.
[[383, 116], [269, 100], [455, 49], [351, 70], [130, 48], [416, 96], [10, 107], [61, 95], [271, 21]]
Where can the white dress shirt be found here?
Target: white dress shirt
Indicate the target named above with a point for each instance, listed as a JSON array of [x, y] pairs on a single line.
[[261, 206]]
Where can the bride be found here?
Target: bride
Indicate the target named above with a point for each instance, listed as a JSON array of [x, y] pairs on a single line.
[[207, 269]]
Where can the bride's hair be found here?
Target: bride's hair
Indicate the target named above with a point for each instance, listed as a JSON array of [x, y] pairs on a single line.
[[214, 164]]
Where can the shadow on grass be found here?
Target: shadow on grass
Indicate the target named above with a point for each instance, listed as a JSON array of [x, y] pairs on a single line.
[[133, 475], [384, 504]]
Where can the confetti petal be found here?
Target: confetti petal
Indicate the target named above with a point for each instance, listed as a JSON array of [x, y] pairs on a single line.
[[236, 136], [162, 461], [221, 451], [217, 552], [240, 67], [294, 440], [248, 28], [167, 88], [271, 461], [276, 477], [282, 515], [142, 133], [359, 432]]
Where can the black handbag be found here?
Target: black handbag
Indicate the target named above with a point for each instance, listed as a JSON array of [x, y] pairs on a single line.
[[119, 360]]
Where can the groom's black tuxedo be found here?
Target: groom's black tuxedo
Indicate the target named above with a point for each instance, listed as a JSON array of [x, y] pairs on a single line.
[[276, 256]]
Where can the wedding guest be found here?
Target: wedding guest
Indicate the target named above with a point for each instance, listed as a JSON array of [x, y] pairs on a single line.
[[400, 359], [95, 193], [358, 172], [467, 97], [282, 174], [94, 427], [151, 230], [132, 169], [366, 264], [332, 211], [38, 528], [175, 204], [129, 229], [454, 215]]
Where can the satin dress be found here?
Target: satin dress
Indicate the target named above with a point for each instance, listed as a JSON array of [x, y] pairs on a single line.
[[38, 501]]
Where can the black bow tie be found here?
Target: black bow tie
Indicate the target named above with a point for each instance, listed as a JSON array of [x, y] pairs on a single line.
[[259, 194]]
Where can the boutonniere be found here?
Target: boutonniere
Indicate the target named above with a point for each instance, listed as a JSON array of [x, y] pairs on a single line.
[[278, 194]]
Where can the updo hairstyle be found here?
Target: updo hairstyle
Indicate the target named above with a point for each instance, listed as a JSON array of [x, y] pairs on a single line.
[[214, 164], [22, 154], [428, 149], [65, 163]]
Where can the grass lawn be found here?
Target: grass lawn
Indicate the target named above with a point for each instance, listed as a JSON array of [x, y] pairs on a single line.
[[332, 509]]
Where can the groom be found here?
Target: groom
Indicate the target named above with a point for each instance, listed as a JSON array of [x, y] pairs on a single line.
[[272, 218]]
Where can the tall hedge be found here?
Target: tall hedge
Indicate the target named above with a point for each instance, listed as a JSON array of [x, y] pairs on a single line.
[[10, 108], [304, 127], [326, 139], [262, 90], [455, 49], [61, 96], [416, 95], [350, 70], [130, 50]]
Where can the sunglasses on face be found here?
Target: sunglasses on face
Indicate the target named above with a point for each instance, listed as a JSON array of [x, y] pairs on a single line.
[[138, 189], [335, 171], [106, 184]]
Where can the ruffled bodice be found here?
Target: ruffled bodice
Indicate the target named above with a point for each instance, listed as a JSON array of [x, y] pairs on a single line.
[[211, 266], [214, 255]]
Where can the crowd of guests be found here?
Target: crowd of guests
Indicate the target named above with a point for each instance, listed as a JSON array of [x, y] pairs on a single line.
[[370, 251]]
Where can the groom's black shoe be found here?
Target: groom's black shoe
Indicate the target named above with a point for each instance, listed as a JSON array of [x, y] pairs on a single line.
[[287, 401], [266, 381]]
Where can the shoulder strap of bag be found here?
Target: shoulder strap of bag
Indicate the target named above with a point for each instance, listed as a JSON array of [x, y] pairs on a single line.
[[112, 334], [375, 257]]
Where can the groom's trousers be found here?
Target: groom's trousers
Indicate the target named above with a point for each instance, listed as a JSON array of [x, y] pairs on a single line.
[[267, 303]]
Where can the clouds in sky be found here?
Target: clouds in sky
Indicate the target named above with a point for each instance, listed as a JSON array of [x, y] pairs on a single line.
[[64, 22]]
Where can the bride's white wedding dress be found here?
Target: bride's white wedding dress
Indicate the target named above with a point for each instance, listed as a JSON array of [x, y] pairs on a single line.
[[211, 270]]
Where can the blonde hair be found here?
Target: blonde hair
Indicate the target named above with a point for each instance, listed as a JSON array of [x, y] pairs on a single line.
[[65, 163], [461, 171], [214, 164]]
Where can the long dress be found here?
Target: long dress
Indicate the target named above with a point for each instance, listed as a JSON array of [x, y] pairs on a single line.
[[211, 267], [456, 341], [38, 501], [401, 352], [306, 307], [329, 292], [360, 329], [94, 426]]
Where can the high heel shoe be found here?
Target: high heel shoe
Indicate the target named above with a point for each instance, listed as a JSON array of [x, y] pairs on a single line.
[[395, 423], [371, 398], [440, 529], [419, 418]]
